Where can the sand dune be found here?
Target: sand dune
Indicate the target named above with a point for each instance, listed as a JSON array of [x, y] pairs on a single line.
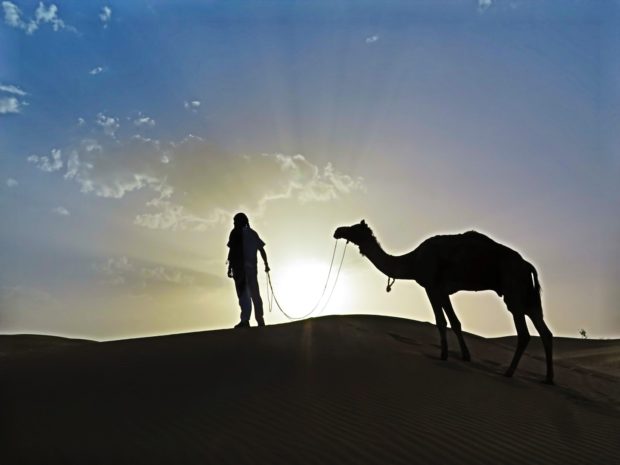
[[26, 343], [350, 390]]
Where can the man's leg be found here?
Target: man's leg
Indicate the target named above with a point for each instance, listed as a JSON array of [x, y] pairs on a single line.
[[252, 279], [243, 293]]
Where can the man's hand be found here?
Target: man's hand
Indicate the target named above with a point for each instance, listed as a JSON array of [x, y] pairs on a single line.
[[267, 269]]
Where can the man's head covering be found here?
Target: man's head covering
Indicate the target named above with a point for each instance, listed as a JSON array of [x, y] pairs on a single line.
[[240, 220]]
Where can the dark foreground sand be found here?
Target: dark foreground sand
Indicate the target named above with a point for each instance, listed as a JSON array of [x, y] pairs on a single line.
[[350, 390]]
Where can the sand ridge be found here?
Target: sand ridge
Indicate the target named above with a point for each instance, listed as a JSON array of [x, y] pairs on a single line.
[[338, 389]]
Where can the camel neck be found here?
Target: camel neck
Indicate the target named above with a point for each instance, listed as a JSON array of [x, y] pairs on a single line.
[[390, 265]]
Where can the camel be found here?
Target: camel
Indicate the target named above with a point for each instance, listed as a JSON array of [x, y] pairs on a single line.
[[471, 261]]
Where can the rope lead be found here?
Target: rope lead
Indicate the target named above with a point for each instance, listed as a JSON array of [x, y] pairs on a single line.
[[271, 296]]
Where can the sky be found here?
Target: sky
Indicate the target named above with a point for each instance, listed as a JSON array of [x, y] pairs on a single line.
[[131, 132]]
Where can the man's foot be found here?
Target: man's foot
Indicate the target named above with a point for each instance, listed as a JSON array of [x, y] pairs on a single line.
[[260, 321], [243, 324]]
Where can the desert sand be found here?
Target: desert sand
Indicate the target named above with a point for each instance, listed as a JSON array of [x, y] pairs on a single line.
[[331, 390]]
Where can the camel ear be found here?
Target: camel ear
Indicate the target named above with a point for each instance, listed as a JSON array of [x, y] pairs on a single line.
[[363, 222]]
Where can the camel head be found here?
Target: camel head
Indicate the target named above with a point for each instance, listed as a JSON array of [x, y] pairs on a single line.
[[359, 233]]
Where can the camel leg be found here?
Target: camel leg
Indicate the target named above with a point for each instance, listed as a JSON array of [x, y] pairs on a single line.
[[440, 321], [547, 339], [455, 324], [523, 338]]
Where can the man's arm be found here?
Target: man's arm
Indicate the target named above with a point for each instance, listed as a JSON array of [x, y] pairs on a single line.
[[229, 273], [263, 254]]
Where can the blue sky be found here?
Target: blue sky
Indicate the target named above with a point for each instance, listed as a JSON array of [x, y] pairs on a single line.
[[131, 131]]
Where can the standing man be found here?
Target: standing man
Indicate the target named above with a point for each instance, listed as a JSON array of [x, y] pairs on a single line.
[[243, 245]]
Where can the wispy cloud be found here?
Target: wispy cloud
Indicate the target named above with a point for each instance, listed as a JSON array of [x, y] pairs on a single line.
[[9, 105], [147, 140], [307, 182], [286, 177], [10, 182], [372, 39], [109, 124], [175, 217], [49, 14], [105, 15], [91, 145], [113, 185], [47, 164], [95, 71], [11, 89], [29, 295], [189, 181], [144, 121], [192, 105], [121, 271], [61, 211], [73, 165], [14, 17], [483, 5]]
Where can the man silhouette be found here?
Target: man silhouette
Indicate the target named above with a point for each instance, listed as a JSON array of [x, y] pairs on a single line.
[[243, 245]]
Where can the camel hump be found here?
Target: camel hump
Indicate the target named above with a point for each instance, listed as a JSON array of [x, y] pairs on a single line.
[[463, 238], [475, 235]]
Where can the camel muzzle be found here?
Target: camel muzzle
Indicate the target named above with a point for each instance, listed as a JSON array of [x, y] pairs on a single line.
[[339, 233]]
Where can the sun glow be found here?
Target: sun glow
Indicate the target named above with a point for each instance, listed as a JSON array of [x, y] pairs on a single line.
[[300, 288]]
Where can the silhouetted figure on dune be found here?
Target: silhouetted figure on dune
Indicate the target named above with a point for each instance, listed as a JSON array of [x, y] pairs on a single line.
[[470, 261], [243, 245]]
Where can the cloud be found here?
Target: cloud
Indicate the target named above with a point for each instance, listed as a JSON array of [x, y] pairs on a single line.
[[121, 271], [186, 140], [105, 15], [483, 5], [109, 124], [192, 105], [73, 165], [372, 39], [114, 184], [176, 217], [144, 121], [203, 175], [61, 211], [192, 184], [308, 182], [95, 71], [12, 17], [11, 295], [10, 182], [47, 164], [49, 15], [91, 145], [9, 105], [146, 140], [81, 121], [11, 89], [117, 187], [42, 15], [112, 174]]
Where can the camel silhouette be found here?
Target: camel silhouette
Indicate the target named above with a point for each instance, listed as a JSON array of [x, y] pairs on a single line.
[[446, 264]]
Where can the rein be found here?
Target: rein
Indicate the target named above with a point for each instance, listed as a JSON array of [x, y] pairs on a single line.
[[272, 297]]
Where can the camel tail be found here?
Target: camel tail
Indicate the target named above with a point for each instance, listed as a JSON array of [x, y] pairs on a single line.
[[536, 282]]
